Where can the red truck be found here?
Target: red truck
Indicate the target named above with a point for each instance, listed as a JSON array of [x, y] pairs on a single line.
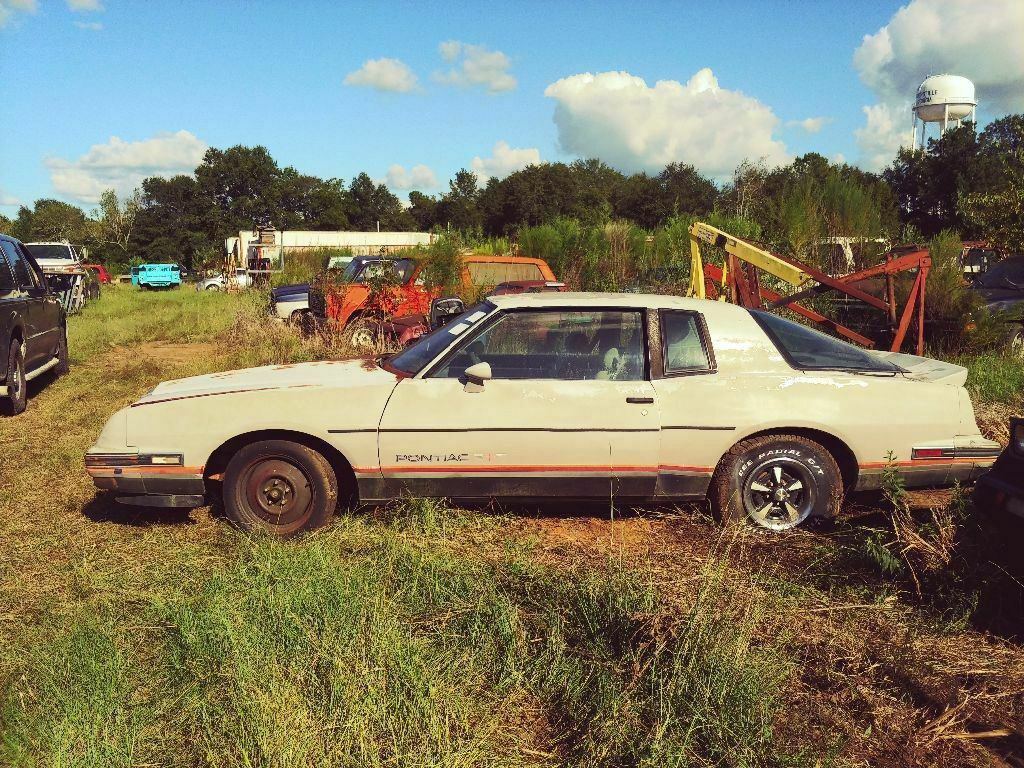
[[358, 303]]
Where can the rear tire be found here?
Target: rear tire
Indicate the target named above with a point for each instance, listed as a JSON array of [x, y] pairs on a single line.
[[776, 482], [213, 288], [17, 389], [1015, 341], [64, 361], [280, 487]]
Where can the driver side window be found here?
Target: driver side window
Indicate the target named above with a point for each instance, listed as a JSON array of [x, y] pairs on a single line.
[[572, 345]]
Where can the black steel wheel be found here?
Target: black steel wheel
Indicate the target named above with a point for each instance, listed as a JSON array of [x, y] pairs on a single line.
[[776, 482], [280, 487], [16, 399]]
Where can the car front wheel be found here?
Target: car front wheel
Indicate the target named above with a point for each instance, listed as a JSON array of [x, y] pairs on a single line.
[[213, 287], [1015, 341], [280, 487], [63, 360], [777, 482], [16, 399]]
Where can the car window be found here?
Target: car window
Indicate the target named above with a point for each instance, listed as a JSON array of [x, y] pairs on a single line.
[[570, 345], [496, 272], [806, 348], [22, 271], [7, 281], [50, 251], [683, 342]]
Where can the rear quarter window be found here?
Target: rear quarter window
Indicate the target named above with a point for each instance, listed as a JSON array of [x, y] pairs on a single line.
[[807, 349], [495, 272]]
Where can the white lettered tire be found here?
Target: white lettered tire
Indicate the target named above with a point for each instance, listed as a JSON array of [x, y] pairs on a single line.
[[776, 482]]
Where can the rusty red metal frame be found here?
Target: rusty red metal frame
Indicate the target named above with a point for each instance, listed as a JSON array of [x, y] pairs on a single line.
[[744, 288]]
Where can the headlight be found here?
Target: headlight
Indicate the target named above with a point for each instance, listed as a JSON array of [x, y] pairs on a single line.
[[1017, 436]]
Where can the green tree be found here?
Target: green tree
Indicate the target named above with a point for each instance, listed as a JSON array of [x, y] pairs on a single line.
[[374, 205], [459, 209]]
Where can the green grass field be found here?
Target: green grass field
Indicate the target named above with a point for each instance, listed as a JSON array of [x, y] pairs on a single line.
[[425, 635]]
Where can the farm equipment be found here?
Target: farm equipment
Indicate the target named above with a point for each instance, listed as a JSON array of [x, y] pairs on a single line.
[[738, 280], [65, 274]]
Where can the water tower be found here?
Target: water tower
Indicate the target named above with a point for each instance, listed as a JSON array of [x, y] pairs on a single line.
[[942, 99]]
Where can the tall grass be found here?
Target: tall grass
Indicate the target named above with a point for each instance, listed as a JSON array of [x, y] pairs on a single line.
[[365, 645]]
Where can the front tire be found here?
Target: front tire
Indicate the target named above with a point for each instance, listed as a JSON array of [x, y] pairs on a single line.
[[1015, 341], [362, 335], [213, 287], [17, 390], [280, 487], [776, 482]]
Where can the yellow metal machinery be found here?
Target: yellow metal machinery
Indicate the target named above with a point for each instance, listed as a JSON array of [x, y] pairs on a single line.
[[737, 280]]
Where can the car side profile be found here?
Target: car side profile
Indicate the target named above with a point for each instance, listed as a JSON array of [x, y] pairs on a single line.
[[555, 395], [33, 326]]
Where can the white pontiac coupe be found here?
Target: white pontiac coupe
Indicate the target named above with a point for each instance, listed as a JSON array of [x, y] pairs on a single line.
[[555, 395]]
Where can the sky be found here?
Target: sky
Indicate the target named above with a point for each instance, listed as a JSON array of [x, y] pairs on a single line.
[[102, 93]]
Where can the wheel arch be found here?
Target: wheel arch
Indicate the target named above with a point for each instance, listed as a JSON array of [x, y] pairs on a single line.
[[844, 456], [348, 489]]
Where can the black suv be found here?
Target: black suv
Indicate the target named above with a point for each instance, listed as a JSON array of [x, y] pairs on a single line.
[[33, 326], [1002, 290]]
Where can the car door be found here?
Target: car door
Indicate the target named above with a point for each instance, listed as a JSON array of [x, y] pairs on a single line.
[[12, 306], [694, 432], [50, 309], [568, 411], [32, 293]]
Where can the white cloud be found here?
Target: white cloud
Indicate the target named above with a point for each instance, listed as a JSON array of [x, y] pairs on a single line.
[[885, 130], [383, 75], [418, 177], [122, 165], [810, 124], [6, 199], [85, 5], [504, 160], [475, 65], [95, 26], [632, 126], [983, 42], [8, 9]]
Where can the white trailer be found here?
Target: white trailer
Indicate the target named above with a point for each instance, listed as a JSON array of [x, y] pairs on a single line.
[[264, 250]]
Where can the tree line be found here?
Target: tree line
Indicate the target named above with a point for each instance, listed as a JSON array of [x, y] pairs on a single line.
[[965, 181]]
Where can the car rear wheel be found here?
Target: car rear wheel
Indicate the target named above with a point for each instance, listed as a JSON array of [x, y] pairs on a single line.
[[1015, 341], [777, 482], [63, 360], [280, 487], [16, 399]]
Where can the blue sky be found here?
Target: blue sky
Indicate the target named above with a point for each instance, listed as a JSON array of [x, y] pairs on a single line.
[[79, 72]]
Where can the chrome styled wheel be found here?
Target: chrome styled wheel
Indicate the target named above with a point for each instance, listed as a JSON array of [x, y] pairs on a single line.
[[779, 494]]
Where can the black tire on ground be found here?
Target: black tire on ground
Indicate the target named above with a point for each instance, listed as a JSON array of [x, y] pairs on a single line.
[[1015, 340], [362, 334], [280, 487], [776, 482], [213, 287], [16, 399], [64, 361]]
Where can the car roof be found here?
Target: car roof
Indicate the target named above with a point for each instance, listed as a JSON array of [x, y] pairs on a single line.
[[605, 300]]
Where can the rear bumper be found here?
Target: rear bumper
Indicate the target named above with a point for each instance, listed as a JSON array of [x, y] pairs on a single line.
[[963, 460]]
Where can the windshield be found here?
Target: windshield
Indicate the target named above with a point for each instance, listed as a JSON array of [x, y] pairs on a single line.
[[50, 251], [362, 271], [805, 348], [412, 359], [1009, 273]]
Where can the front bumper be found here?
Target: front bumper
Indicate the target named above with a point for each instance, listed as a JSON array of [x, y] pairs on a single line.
[[147, 479]]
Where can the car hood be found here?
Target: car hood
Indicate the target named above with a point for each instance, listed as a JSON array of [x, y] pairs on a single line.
[[326, 373], [295, 289]]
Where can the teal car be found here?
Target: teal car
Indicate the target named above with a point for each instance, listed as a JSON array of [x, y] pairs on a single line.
[[156, 276]]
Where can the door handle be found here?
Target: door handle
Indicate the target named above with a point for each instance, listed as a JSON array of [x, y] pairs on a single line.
[[640, 400]]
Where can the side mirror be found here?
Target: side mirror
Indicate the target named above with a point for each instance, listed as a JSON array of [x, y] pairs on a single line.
[[476, 375], [444, 309]]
